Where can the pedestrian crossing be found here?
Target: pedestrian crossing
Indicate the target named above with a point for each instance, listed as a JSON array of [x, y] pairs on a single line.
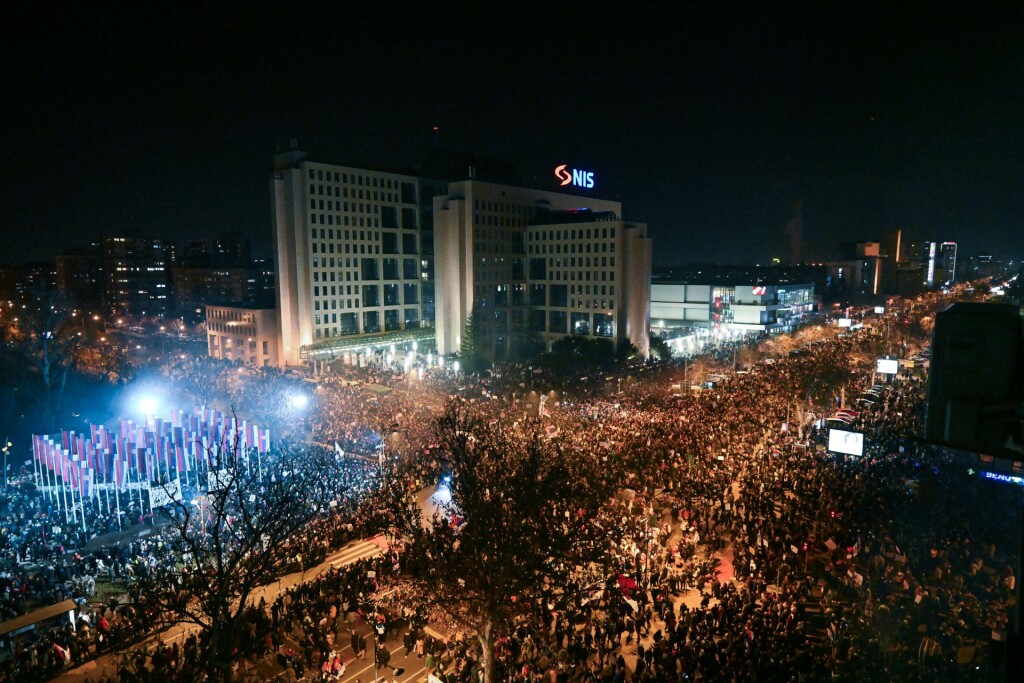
[[353, 552]]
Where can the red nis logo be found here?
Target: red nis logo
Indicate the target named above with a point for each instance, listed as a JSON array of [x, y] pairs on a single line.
[[574, 177]]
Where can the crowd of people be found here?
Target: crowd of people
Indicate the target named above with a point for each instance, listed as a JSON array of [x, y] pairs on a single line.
[[746, 550]]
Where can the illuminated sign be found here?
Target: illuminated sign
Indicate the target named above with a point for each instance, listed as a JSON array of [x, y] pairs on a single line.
[[887, 366], [843, 441], [759, 290], [574, 176], [1005, 478]]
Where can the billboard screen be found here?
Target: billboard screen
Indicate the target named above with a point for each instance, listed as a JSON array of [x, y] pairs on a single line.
[[887, 366], [844, 322], [846, 442]]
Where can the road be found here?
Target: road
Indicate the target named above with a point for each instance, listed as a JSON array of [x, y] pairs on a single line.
[[429, 499], [107, 665]]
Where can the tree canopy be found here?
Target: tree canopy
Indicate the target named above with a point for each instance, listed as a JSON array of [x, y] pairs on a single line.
[[523, 524]]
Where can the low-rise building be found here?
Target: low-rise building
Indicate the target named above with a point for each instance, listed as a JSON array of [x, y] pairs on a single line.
[[243, 333]]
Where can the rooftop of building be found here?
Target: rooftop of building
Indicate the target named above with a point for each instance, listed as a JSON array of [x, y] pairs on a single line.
[[265, 304], [440, 164], [718, 274]]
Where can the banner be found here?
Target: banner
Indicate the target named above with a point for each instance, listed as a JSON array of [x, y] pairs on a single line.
[[164, 494]]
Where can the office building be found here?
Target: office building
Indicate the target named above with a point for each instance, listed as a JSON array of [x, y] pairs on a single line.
[[248, 334], [532, 266], [349, 253], [733, 307]]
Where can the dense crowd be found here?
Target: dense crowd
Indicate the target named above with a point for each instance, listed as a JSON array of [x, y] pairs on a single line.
[[747, 552]]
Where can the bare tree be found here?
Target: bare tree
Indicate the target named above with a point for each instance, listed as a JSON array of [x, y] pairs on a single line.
[[46, 337], [523, 519], [246, 531]]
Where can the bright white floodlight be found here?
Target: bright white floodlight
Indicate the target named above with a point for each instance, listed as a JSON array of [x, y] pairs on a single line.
[[148, 405], [298, 401]]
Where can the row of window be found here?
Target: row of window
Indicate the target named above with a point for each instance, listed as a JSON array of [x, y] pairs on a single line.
[[371, 297], [370, 268], [227, 343], [571, 235], [499, 221], [342, 324], [561, 248], [501, 207], [407, 188], [389, 243], [562, 296], [362, 222], [226, 314], [343, 192]]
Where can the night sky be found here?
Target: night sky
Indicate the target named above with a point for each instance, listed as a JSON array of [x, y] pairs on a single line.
[[711, 125]]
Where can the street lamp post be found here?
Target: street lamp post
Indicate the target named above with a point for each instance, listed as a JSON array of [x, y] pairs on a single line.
[[6, 449]]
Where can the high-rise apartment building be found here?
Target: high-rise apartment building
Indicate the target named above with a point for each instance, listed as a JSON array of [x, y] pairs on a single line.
[[924, 255], [349, 251], [947, 254], [531, 264], [135, 269]]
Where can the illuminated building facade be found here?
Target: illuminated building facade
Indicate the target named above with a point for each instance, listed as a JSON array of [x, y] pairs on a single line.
[[242, 333], [349, 248], [532, 266]]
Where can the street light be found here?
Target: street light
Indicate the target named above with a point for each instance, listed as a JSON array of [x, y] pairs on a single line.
[[6, 449]]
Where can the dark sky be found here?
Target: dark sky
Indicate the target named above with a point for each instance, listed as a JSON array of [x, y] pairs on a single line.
[[710, 124]]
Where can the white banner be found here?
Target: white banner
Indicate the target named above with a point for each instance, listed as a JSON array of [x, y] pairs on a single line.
[[163, 494]]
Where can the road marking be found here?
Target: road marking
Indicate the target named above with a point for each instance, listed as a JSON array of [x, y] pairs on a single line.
[[352, 676]]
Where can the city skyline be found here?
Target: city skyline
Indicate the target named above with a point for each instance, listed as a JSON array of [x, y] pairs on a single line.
[[721, 130]]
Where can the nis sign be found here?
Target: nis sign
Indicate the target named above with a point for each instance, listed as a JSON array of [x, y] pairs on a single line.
[[572, 176]]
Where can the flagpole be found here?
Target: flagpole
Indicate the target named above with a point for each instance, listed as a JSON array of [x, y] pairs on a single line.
[[63, 490], [50, 490], [106, 489], [35, 464], [46, 472], [138, 488], [74, 512], [117, 502], [80, 500]]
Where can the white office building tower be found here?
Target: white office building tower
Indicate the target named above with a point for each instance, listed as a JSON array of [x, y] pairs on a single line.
[[535, 266], [348, 247]]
